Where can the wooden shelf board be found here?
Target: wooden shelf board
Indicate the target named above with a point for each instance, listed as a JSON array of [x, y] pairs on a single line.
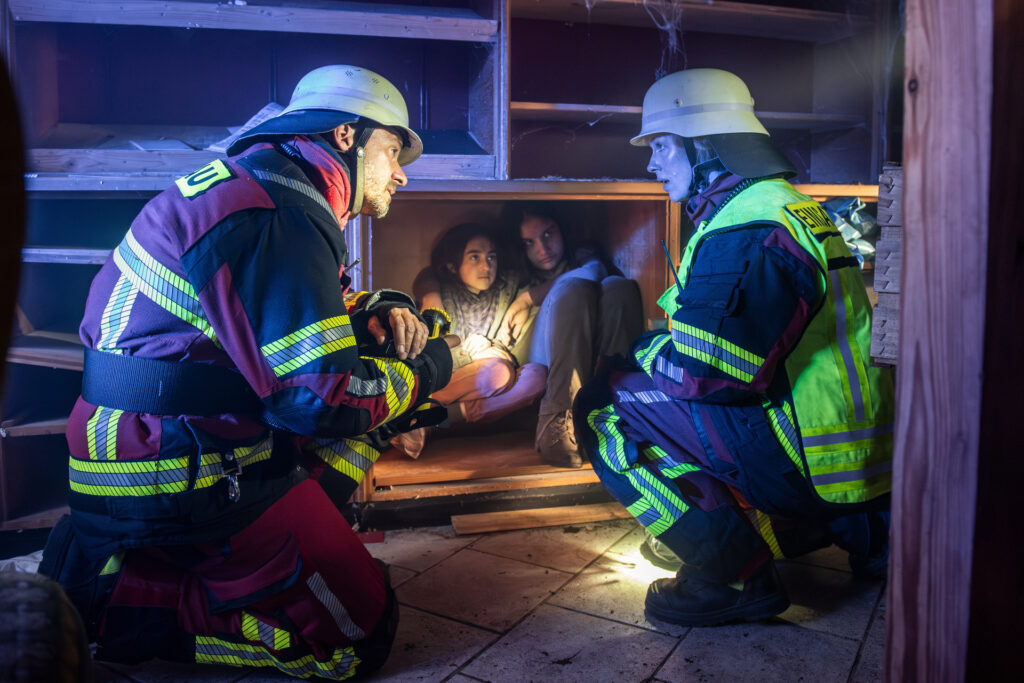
[[484, 522], [579, 113], [462, 458], [702, 16], [521, 482], [37, 520], [534, 189], [89, 170], [285, 16], [57, 425], [823, 191], [64, 255], [564, 111], [59, 350], [437, 188]]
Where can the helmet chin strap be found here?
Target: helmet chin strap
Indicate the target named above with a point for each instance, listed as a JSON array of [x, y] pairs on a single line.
[[358, 156], [691, 158], [699, 173]]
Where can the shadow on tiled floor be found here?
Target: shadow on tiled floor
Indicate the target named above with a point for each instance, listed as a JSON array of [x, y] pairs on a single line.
[[566, 604]]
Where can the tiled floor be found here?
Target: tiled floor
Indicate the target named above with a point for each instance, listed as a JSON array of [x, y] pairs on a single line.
[[566, 604]]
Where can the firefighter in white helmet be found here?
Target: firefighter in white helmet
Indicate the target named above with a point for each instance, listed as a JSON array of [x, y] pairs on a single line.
[[754, 428], [233, 398]]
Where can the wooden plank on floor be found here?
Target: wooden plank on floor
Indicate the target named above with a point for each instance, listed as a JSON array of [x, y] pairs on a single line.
[[584, 475], [528, 519], [462, 458]]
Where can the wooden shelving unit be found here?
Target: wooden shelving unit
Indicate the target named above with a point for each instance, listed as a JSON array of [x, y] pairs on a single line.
[[91, 155], [515, 100]]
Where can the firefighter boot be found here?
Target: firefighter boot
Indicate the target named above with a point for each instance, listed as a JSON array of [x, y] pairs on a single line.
[[695, 601], [556, 440]]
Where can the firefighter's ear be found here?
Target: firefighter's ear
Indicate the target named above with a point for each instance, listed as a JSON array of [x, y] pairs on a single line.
[[451, 268], [344, 136]]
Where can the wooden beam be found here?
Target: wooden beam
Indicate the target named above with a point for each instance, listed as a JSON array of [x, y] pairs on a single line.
[[947, 140], [997, 591], [309, 16], [508, 520]]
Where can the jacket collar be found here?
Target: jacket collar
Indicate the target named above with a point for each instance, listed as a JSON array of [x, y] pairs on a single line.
[[701, 206], [324, 169]]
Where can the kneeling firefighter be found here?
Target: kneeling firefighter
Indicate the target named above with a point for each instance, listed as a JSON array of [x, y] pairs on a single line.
[[754, 428], [234, 397]]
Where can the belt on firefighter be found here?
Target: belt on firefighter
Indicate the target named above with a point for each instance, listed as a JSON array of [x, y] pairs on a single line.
[[164, 476], [160, 387]]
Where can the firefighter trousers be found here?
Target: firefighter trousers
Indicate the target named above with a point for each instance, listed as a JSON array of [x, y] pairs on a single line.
[[725, 516]]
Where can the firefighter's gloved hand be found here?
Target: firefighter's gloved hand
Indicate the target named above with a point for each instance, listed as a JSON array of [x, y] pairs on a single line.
[[405, 329], [426, 415]]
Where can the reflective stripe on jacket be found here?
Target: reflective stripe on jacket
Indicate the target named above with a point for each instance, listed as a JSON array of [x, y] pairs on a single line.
[[830, 409], [235, 265]]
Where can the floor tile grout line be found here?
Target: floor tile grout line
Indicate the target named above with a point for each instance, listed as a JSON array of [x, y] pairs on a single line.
[[867, 630], [501, 634], [458, 670], [492, 643], [533, 610], [517, 559], [679, 643], [778, 619], [455, 619], [545, 566], [459, 673], [651, 628]]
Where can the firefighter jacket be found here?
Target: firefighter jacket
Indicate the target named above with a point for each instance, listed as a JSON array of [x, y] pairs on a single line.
[[770, 331], [235, 268]]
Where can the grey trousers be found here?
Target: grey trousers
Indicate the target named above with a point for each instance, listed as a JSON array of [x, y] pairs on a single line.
[[586, 315]]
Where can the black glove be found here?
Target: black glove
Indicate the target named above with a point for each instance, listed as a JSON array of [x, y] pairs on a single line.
[[428, 414]]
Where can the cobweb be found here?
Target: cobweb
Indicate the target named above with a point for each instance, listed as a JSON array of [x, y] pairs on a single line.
[[667, 17]]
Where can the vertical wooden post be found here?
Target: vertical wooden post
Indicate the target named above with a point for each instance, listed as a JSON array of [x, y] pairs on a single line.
[[947, 140], [997, 591]]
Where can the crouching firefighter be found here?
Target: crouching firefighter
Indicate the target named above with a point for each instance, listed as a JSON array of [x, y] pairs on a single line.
[[754, 428], [233, 400]]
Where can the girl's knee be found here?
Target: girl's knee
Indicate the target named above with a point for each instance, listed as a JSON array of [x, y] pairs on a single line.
[[573, 294], [617, 289], [496, 375], [534, 378]]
